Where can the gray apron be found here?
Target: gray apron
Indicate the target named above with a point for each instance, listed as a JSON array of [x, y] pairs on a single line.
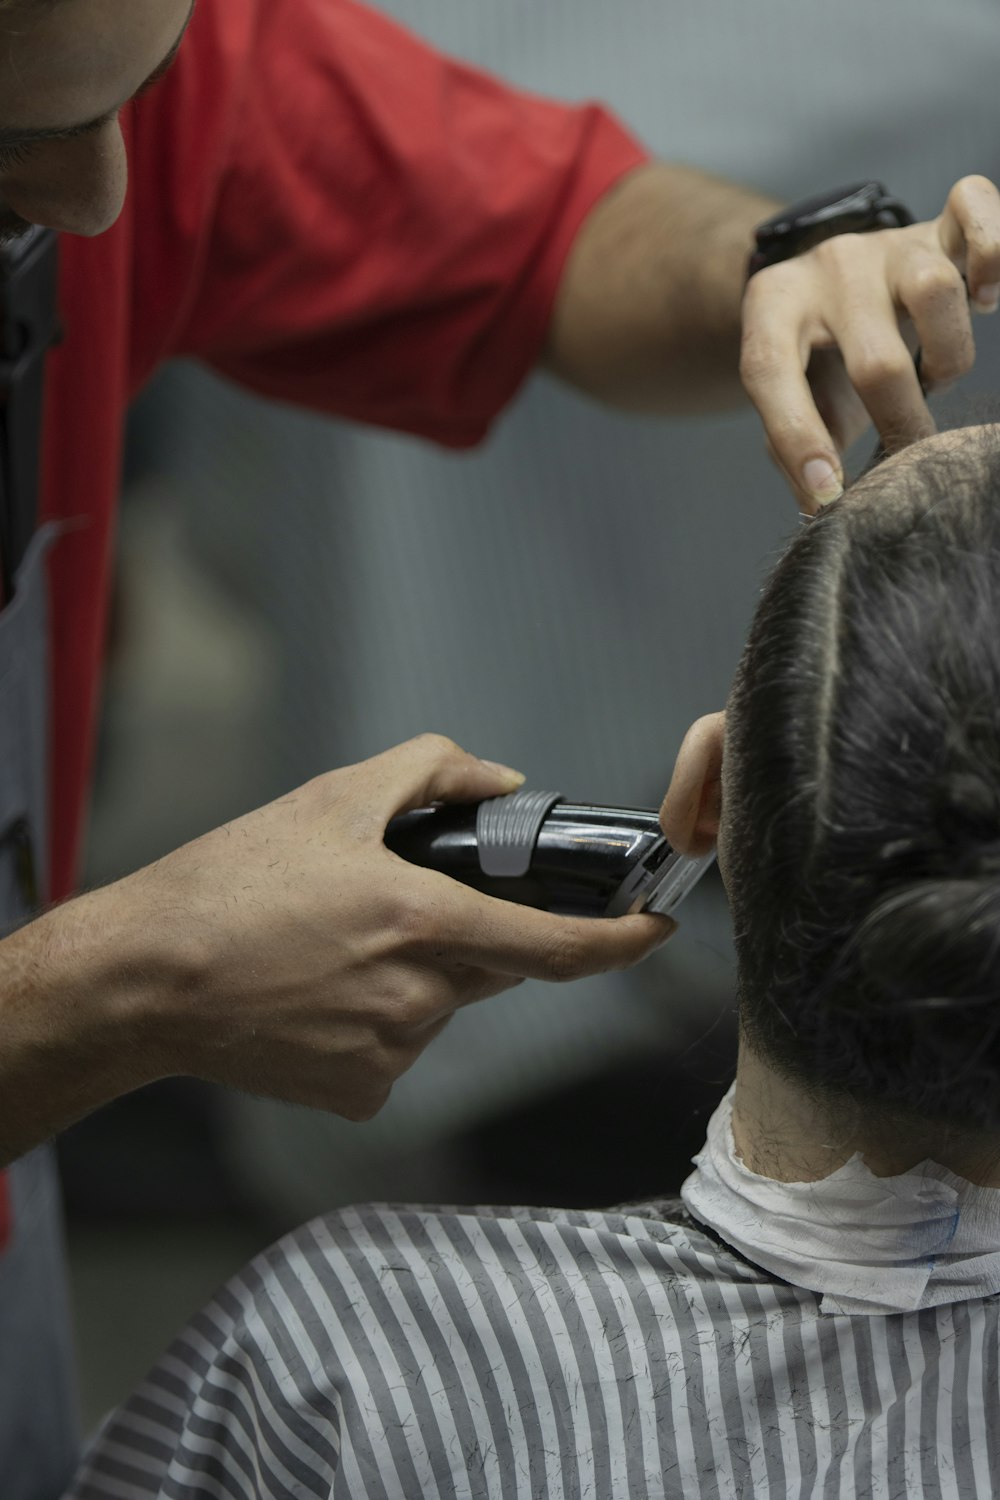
[[38, 1417]]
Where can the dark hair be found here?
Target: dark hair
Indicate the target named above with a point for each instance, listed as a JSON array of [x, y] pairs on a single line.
[[863, 775]]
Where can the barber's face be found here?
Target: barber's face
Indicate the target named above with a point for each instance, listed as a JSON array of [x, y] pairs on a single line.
[[66, 70]]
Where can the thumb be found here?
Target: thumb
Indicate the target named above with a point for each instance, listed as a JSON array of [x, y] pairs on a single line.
[[435, 769]]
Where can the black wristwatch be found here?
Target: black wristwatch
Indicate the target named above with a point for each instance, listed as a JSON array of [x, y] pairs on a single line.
[[850, 210]]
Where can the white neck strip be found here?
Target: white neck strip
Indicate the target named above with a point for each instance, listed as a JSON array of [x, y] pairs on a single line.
[[867, 1244]]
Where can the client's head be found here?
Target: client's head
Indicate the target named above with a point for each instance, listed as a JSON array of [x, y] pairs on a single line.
[[860, 836]]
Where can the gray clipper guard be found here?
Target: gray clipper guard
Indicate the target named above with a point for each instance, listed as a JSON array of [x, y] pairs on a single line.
[[507, 830]]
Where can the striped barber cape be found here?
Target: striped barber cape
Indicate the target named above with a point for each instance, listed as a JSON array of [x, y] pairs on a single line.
[[543, 1354]]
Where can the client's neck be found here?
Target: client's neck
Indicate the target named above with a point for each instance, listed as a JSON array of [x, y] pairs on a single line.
[[783, 1132]]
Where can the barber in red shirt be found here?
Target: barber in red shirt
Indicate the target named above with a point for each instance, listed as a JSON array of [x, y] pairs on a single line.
[[329, 212]]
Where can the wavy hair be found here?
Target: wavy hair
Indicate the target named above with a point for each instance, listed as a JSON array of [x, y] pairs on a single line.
[[863, 774]]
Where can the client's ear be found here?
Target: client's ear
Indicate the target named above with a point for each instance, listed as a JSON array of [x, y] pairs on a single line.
[[692, 807]]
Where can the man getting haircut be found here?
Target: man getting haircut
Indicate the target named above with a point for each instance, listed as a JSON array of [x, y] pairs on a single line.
[[821, 1309]]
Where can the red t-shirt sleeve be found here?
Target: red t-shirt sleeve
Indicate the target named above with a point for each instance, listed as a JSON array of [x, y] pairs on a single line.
[[387, 227]]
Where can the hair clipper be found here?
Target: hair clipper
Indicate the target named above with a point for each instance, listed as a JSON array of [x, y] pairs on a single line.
[[565, 857]]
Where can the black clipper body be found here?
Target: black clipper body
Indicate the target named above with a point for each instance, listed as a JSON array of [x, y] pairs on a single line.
[[565, 857]]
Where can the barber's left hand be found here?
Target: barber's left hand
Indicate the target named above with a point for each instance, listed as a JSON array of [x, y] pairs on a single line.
[[828, 336]]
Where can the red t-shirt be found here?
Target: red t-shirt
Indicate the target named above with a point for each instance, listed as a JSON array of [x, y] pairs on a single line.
[[331, 213]]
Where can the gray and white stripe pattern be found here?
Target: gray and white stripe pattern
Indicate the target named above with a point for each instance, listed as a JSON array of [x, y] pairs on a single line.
[[536, 1354]]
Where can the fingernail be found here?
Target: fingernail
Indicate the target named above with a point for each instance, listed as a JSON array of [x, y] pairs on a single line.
[[512, 779], [822, 480], [671, 928], [988, 297]]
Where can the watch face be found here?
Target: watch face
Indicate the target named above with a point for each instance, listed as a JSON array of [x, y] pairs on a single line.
[[850, 203], [848, 210]]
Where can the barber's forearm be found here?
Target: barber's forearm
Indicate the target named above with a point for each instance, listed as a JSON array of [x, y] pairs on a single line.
[[73, 986], [288, 953], [648, 312]]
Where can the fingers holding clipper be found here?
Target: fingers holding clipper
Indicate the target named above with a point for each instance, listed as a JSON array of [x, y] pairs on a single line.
[[429, 768], [532, 944]]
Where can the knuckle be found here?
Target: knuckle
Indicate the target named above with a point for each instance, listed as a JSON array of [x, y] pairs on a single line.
[[413, 920], [933, 281], [565, 958], [876, 367], [839, 255], [435, 746], [389, 1012], [968, 190]]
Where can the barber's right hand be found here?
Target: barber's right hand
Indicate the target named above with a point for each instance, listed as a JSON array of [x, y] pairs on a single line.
[[310, 964]]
